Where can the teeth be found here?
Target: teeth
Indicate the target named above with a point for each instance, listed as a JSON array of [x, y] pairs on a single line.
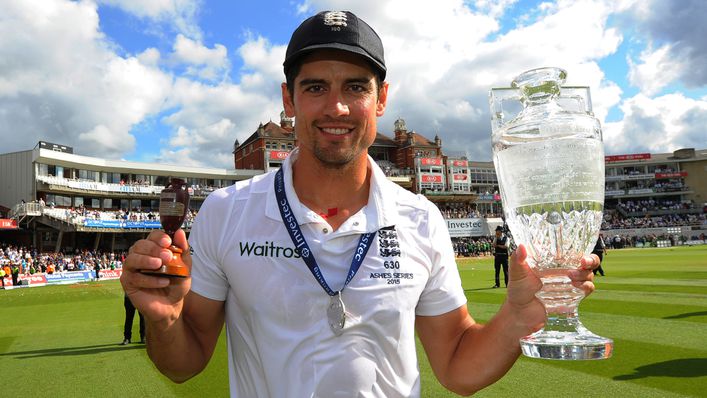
[[335, 131]]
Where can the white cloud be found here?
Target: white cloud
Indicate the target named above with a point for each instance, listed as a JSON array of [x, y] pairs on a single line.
[[203, 62], [61, 82], [660, 124], [430, 74], [262, 65], [211, 117], [677, 29], [64, 82], [109, 141], [178, 13], [150, 57], [656, 70]]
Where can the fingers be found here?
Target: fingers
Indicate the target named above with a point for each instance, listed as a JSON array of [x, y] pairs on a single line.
[[590, 262], [587, 287], [521, 253], [519, 267], [582, 279], [149, 253], [143, 281], [523, 283], [180, 240]]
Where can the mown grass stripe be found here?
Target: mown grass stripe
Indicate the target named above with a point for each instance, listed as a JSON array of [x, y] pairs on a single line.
[[61, 341], [649, 297]]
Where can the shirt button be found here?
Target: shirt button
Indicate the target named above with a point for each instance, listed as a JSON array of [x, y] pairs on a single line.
[[325, 230]]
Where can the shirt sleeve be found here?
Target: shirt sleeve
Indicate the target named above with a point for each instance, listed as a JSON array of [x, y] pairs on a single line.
[[443, 291], [207, 276]]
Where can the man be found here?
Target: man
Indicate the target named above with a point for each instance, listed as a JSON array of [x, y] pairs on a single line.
[[15, 275], [500, 257], [600, 251], [128, 324], [319, 307]]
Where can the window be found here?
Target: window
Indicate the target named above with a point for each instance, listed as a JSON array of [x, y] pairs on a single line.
[[59, 200], [88, 175]]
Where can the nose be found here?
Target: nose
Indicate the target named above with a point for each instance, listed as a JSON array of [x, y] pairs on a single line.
[[336, 105]]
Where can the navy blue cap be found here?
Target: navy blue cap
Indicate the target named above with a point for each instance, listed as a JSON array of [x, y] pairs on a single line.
[[338, 30]]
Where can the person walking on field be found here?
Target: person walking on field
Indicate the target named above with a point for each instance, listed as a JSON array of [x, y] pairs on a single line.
[[128, 324], [600, 251], [326, 307], [500, 257]]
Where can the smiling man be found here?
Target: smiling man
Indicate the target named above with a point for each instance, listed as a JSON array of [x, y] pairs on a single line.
[[327, 306]]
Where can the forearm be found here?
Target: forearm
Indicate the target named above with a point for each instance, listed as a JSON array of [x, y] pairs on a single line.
[[485, 352], [176, 350]]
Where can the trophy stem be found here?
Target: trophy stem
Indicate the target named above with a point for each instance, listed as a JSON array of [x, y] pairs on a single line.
[[563, 336]]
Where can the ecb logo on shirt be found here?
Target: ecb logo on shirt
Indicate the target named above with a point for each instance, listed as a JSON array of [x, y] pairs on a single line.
[[388, 245]]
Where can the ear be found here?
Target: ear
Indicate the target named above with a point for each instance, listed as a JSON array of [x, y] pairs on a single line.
[[382, 99], [287, 101]]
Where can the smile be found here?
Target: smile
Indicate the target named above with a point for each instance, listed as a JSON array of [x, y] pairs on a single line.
[[334, 131]]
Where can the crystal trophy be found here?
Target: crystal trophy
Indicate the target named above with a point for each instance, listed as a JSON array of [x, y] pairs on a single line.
[[174, 203], [549, 159]]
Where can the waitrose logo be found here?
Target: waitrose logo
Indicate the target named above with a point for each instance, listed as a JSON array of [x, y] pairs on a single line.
[[268, 249]]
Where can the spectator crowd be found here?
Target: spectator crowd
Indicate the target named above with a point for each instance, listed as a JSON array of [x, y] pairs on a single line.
[[78, 215], [473, 247], [647, 205], [615, 220], [29, 261]]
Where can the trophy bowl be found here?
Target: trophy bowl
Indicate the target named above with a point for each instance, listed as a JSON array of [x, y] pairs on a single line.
[[549, 161], [174, 204]]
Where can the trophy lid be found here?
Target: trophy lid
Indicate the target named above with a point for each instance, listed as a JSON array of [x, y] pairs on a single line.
[[537, 106]]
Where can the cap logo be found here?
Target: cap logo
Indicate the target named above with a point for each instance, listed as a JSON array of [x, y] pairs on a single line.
[[335, 19]]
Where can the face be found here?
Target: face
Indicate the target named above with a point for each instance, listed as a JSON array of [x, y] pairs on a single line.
[[335, 101]]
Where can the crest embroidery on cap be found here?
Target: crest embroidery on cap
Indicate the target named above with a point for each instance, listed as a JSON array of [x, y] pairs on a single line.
[[335, 18]]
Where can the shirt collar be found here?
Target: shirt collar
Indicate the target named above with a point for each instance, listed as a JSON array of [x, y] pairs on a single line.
[[380, 212]]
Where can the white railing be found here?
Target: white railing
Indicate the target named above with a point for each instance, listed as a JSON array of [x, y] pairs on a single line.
[[88, 185]]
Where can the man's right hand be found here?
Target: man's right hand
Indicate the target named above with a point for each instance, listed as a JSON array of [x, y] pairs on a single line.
[[159, 299]]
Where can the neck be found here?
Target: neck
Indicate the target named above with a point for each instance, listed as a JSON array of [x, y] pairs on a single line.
[[322, 188]]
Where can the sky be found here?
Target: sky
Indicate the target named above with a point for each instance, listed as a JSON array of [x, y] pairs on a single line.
[[179, 81]]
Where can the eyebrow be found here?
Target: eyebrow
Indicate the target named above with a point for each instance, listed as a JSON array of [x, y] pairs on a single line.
[[360, 80]]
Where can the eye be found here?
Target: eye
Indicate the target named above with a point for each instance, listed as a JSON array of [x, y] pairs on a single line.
[[360, 88], [357, 88], [314, 88]]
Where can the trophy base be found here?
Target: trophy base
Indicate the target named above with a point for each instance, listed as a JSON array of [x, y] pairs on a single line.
[[175, 268], [566, 345]]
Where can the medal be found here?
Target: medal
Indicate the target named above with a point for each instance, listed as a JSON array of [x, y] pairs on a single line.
[[336, 314], [336, 311]]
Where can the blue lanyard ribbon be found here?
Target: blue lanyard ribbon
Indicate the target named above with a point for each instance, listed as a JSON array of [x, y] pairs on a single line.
[[288, 218]]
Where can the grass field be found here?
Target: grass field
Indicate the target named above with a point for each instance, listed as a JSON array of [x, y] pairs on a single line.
[[61, 341]]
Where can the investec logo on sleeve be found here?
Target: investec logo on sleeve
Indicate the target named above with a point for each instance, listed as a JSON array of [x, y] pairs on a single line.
[[267, 249]]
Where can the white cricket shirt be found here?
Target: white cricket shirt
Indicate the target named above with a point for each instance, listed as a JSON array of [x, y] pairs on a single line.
[[279, 342]]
